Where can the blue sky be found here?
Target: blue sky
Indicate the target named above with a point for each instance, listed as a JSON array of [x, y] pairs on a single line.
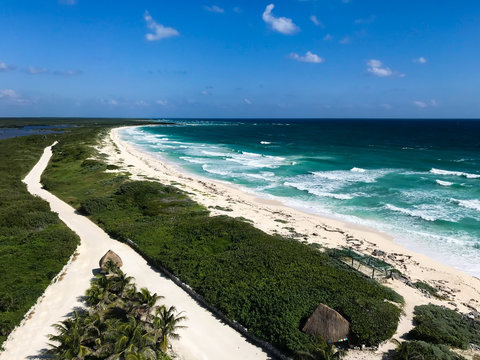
[[239, 58]]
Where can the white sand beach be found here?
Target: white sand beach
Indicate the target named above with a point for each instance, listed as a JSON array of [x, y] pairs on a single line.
[[461, 290], [205, 337]]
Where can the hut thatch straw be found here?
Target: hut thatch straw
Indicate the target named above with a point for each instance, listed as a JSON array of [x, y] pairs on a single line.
[[328, 324], [110, 255]]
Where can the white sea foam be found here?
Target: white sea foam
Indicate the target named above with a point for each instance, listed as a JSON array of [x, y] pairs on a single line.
[[443, 183], [359, 170], [194, 160], [367, 176], [215, 170], [473, 204], [318, 191], [215, 153], [253, 160], [264, 175], [411, 212], [265, 142], [454, 173]]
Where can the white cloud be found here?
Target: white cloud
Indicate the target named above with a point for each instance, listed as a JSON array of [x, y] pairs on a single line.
[[205, 93], [67, 72], [420, 60], [386, 106], [345, 40], [141, 103], [317, 22], [281, 24], [67, 2], [6, 67], [309, 57], [10, 96], [425, 104], [237, 9], [365, 21], [247, 101], [328, 37], [159, 31], [161, 102], [111, 102], [214, 9], [377, 68], [36, 70]]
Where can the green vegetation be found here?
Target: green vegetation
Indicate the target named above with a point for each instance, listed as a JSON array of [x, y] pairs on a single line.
[[34, 243], [429, 289], [268, 284], [440, 325], [420, 350], [321, 350], [120, 323], [221, 208]]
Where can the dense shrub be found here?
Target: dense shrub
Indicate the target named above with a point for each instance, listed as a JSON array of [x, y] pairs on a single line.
[[440, 325], [420, 350], [95, 205]]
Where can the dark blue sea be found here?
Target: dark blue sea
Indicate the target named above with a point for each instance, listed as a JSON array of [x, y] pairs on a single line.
[[418, 180]]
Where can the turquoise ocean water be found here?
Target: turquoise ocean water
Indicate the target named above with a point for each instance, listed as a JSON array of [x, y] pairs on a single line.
[[417, 180]]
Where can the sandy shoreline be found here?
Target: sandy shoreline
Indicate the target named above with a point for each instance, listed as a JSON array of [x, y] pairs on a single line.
[[461, 289]]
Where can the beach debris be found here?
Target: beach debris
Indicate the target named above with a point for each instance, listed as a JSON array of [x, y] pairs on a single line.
[[110, 255], [378, 253], [327, 323]]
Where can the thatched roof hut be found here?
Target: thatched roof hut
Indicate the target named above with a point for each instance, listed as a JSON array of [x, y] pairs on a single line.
[[328, 324], [110, 255]]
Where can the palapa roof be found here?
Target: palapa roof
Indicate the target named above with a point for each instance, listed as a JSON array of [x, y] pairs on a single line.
[[328, 324], [110, 255]]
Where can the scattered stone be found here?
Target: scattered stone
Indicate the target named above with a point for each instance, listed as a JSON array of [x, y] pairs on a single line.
[[379, 253]]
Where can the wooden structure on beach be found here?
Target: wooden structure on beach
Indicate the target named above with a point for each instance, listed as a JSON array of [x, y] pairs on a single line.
[[327, 323]]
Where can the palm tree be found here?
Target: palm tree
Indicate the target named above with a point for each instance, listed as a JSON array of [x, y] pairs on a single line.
[[120, 283], [165, 325], [143, 302], [131, 337], [71, 334]]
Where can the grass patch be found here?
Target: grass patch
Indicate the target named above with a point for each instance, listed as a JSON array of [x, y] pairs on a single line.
[[221, 208]]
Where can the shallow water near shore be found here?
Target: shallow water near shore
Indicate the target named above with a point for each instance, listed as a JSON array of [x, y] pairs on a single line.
[[417, 180]]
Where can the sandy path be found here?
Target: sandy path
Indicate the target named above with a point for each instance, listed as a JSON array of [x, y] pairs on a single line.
[[204, 338]]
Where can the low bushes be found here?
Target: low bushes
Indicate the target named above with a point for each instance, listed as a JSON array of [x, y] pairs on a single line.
[[440, 325], [420, 350]]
